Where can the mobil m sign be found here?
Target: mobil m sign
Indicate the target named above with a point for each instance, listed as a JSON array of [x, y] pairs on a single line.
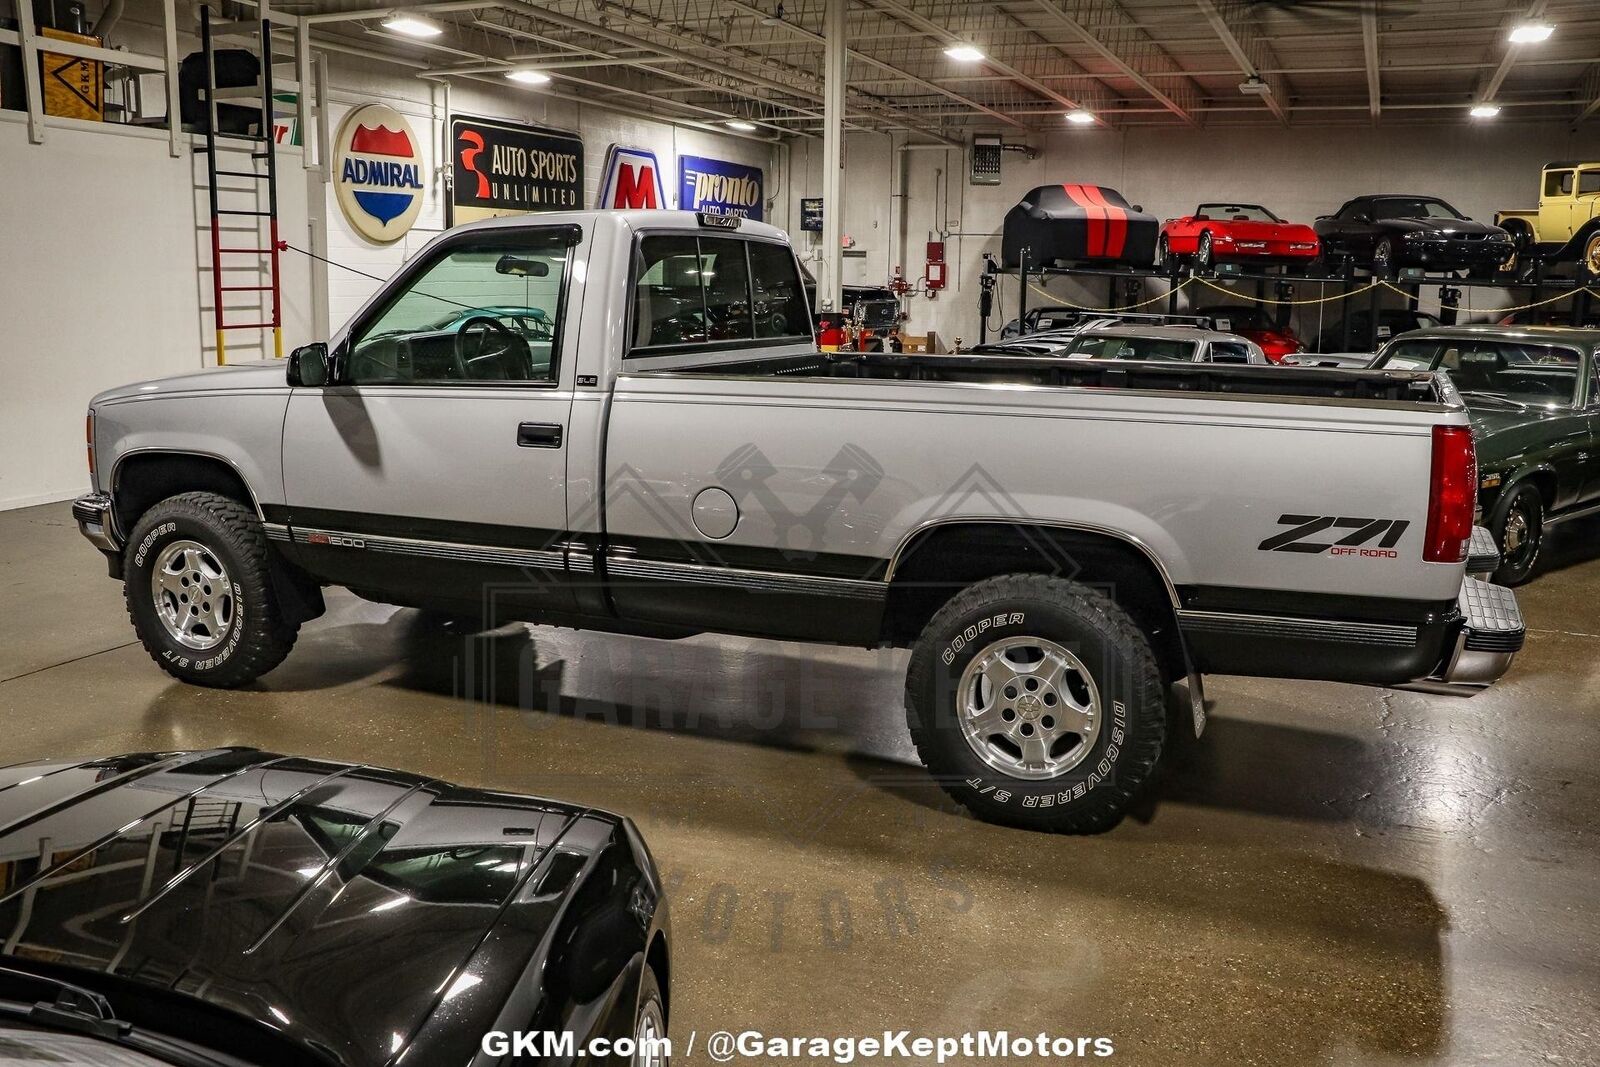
[[377, 172], [718, 187], [632, 180]]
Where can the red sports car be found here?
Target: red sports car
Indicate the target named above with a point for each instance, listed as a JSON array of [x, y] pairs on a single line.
[[1218, 232], [1255, 324]]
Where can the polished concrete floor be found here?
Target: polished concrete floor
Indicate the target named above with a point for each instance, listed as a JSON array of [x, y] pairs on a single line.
[[1334, 875]]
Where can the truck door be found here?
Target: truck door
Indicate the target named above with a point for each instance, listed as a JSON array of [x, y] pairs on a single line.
[[1555, 206], [1586, 200], [434, 468]]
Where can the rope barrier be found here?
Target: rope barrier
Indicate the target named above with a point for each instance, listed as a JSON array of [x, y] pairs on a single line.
[[1298, 303], [1460, 310], [1127, 307]]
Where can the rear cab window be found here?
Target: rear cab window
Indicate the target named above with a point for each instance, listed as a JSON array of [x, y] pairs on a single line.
[[705, 292]]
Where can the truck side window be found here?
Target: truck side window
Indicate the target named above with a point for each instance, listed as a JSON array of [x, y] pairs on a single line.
[[693, 290], [486, 310], [1558, 183], [1588, 182]]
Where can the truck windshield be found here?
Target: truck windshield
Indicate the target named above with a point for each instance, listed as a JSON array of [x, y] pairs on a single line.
[[1508, 371]]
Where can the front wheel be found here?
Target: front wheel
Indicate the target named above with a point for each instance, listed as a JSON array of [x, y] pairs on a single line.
[[197, 580], [1383, 258], [1518, 528], [650, 1023], [1036, 702], [1205, 255], [1160, 262]]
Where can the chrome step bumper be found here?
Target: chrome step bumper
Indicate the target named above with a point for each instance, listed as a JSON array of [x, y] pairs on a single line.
[[1483, 556], [1490, 638]]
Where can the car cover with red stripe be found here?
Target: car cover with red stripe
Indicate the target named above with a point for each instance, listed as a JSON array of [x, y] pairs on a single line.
[[1073, 223]]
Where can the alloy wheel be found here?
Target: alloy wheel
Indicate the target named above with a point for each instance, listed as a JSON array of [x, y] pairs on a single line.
[[1028, 708], [193, 595]]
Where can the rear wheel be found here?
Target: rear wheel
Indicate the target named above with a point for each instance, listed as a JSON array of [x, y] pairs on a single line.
[[1036, 702], [197, 580], [1518, 528]]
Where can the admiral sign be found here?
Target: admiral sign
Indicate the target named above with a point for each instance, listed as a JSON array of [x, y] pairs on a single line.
[[505, 168], [633, 180], [718, 187], [377, 172]]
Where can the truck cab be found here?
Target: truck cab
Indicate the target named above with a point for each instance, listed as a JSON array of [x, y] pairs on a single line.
[[1564, 228]]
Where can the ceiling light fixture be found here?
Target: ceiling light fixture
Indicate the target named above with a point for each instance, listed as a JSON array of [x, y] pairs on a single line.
[[528, 77], [1531, 32], [1484, 111], [964, 53], [740, 125], [774, 19], [412, 26], [1080, 117]]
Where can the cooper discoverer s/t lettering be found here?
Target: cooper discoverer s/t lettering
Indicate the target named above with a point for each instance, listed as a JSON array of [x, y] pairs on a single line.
[[619, 421]]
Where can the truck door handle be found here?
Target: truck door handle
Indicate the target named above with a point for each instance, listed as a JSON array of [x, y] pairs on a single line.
[[539, 434]]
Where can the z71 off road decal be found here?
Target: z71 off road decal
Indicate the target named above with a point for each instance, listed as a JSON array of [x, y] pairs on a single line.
[[1305, 530]]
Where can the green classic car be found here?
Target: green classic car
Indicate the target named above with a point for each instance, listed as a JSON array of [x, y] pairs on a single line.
[[1534, 396]]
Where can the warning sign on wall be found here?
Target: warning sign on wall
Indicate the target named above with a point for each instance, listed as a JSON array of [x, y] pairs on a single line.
[[73, 88]]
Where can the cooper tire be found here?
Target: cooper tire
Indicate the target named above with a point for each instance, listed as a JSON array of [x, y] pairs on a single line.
[[222, 542], [1519, 514], [1087, 794]]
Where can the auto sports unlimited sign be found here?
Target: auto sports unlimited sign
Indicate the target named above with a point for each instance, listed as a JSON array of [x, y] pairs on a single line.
[[719, 187], [505, 168], [377, 172]]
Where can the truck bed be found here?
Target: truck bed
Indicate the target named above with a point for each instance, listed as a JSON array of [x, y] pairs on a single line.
[[1288, 383]]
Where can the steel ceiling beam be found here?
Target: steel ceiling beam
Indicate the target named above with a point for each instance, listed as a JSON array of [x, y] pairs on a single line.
[[1230, 21], [1369, 47], [1491, 85], [1093, 40], [898, 73]]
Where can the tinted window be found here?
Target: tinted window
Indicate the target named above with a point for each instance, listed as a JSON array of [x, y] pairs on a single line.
[[1588, 182], [1408, 207], [1355, 209], [1230, 352], [780, 303], [704, 290], [488, 310]]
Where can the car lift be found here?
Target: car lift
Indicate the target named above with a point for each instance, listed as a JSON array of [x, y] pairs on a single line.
[[1410, 281], [267, 152]]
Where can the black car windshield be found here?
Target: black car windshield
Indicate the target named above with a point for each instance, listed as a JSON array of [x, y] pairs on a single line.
[[1509, 371], [1237, 212], [1413, 207], [1147, 348]]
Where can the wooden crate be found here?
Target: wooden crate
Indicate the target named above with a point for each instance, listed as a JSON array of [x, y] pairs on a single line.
[[73, 88]]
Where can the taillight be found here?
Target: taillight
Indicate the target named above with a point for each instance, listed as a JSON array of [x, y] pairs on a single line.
[[1452, 495], [88, 437]]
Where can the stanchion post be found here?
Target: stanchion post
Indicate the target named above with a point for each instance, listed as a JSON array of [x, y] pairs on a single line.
[[1022, 294]]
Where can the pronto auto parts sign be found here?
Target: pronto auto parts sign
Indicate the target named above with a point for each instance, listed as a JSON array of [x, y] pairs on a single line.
[[718, 187], [377, 172], [506, 168]]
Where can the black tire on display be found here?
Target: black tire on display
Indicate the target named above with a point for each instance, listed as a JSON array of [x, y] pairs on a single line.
[[1205, 256], [649, 1020], [1036, 702], [197, 580], [1518, 527]]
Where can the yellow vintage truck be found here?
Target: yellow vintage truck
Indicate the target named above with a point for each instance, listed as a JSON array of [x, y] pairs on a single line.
[[1565, 228]]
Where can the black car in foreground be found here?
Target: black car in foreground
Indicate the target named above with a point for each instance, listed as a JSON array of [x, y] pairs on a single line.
[[1384, 233], [233, 907]]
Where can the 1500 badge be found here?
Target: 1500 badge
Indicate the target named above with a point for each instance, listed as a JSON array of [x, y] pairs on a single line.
[[1309, 533]]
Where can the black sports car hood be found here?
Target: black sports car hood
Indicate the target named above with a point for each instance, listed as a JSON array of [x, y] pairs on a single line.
[[340, 907], [1444, 226]]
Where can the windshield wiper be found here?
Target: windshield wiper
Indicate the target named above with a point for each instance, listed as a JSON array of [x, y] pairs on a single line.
[[75, 1008], [1500, 397]]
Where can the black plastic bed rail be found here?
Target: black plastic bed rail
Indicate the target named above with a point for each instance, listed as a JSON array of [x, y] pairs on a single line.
[[1314, 383]]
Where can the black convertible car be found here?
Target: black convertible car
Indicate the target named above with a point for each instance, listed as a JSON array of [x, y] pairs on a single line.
[[1389, 231], [235, 907], [1073, 223]]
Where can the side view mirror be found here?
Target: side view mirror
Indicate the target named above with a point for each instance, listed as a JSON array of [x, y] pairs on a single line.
[[1324, 218], [1139, 208], [308, 366]]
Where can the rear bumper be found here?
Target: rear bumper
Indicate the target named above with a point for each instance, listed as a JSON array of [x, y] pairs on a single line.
[[1490, 637], [97, 522]]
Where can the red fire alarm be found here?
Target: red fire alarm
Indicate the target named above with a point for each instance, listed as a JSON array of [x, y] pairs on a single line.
[[935, 273]]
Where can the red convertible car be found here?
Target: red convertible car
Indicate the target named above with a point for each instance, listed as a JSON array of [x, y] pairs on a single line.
[[1218, 232]]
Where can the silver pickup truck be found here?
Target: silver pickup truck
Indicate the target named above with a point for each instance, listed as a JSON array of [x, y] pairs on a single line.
[[619, 421]]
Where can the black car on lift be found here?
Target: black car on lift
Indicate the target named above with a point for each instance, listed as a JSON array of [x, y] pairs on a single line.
[[1387, 232], [234, 907]]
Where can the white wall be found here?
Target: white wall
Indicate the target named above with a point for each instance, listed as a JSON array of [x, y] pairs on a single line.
[[1299, 173], [105, 247]]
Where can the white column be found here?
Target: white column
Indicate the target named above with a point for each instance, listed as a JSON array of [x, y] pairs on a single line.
[[830, 293]]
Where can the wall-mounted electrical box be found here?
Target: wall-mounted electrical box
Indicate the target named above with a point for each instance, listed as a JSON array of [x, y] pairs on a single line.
[[985, 160]]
